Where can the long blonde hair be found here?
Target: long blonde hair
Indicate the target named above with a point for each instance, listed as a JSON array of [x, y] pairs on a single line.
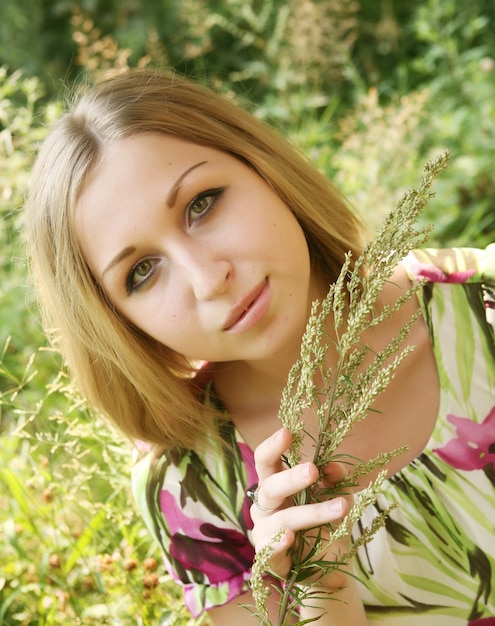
[[143, 386]]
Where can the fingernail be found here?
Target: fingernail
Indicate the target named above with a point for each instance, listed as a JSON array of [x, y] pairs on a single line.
[[337, 506], [306, 470], [279, 436]]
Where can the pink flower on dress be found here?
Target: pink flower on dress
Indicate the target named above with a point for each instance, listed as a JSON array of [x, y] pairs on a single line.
[[474, 447], [483, 621], [219, 553], [435, 274], [247, 456]]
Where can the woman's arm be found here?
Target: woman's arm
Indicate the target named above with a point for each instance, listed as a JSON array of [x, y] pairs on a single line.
[[236, 614], [342, 608]]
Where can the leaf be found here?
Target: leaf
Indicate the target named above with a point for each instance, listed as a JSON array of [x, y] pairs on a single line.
[[85, 540]]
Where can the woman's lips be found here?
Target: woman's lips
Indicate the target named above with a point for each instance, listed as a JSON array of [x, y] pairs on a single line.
[[250, 310]]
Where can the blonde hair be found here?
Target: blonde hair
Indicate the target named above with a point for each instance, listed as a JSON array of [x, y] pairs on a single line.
[[144, 387]]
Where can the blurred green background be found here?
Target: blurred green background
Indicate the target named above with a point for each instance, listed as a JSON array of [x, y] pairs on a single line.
[[369, 90]]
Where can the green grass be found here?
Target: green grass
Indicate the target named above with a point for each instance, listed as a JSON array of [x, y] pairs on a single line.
[[72, 548]]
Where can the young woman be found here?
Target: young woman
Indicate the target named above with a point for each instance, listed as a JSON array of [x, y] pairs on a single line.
[[177, 243]]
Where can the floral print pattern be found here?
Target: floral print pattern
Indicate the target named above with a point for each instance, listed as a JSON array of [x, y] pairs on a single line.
[[199, 546], [474, 446]]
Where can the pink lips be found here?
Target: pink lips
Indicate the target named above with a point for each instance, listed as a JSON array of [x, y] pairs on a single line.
[[249, 310]]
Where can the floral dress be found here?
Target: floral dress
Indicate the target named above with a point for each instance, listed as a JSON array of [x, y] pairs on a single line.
[[434, 561]]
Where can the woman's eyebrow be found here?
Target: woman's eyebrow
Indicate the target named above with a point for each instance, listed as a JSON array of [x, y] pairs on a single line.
[[123, 254], [172, 196]]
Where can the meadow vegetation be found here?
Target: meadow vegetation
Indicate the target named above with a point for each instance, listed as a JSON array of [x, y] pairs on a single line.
[[369, 91]]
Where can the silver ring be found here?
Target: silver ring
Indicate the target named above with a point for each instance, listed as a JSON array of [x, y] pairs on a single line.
[[252, 493]]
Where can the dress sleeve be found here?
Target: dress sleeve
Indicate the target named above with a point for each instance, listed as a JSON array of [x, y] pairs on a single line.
[[453, 265], [195, 507], [468, 266]]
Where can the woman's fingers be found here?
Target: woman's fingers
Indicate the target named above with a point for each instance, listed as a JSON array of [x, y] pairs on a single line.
[[302, 517], [268, 454], [293, 519], [273, 508], [272, 493], [276, 483], [334, 472]]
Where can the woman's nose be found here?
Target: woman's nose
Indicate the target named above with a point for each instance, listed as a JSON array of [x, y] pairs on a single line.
[[206, 272]]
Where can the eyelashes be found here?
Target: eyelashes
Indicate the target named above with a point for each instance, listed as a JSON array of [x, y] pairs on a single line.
[[139, 275], [196, 211], [201, 205]]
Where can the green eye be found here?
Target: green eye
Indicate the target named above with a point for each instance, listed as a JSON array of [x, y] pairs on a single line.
[[139, 275], [142, 269], [200, 205]]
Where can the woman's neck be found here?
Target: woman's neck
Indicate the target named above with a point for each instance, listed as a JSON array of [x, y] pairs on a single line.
[[251, 390]]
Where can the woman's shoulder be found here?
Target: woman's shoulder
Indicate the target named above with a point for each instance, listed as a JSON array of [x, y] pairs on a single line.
[[220, 464], [471, 269], [452, 265]]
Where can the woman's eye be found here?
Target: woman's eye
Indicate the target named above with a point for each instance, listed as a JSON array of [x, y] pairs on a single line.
[[139, 275], [201, 205]]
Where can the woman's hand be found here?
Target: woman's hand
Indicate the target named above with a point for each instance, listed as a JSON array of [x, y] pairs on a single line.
[[273, 508]]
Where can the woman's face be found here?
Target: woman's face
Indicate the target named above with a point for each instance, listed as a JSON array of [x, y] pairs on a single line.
[[195, 249]]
